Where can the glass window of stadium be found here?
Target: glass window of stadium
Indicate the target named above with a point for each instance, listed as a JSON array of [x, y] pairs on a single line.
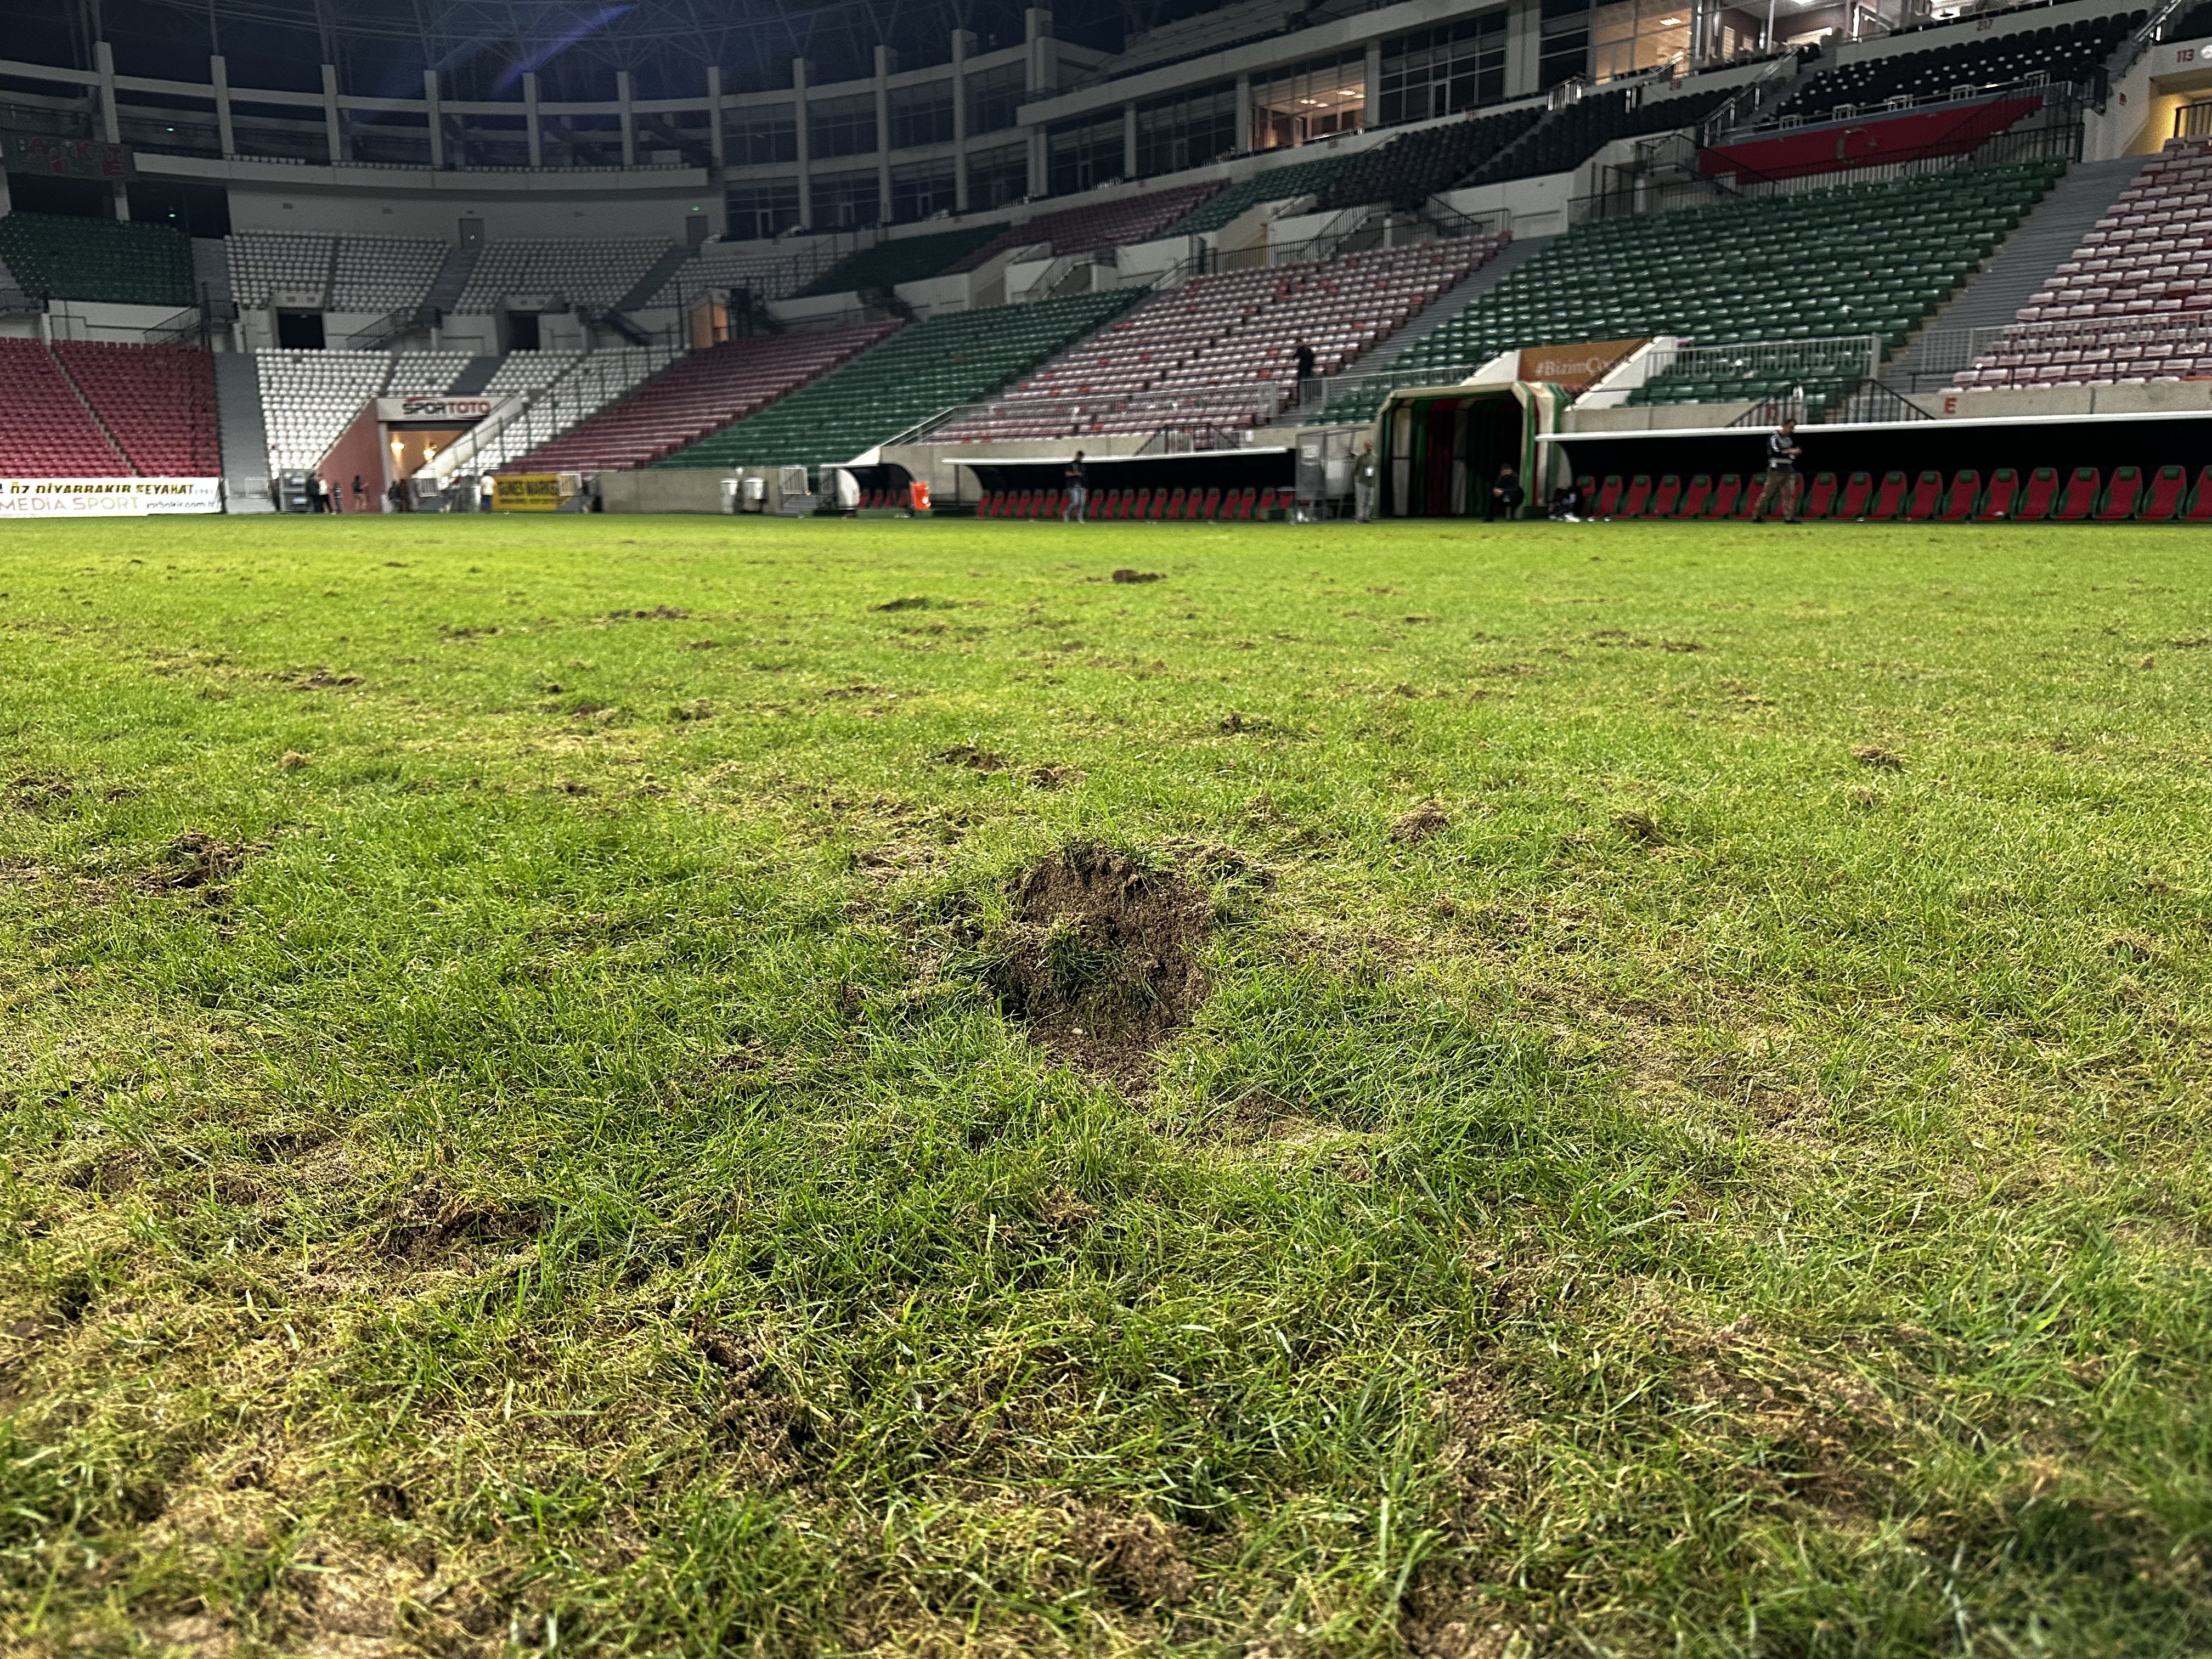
[[994, 95], [761, 133], [996, 177], [1638, 34], [1438, 71], [760, 210], [1186, 132], [1310, 101], [841, 126], [1563, 45], [1083, 153], [919, 189], [846, 201], [921, 115]]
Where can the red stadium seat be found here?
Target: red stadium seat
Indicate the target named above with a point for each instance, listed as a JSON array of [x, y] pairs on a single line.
[[2003, 499], [1726, 494], [1609, 493], [1050, 506], [1174, 505], [1926, 499], [2123, 497], [1663, 499], [1966, 490], [1245, 498], [2200, 499], [2162, 501], [1140, 505], [1696, 498], [1638, 497], [2035, 501], [1212, 509], [1271, 499], [1857, 489], [1820, 500], [1889, 499], [1749, 504], [2080, 500]]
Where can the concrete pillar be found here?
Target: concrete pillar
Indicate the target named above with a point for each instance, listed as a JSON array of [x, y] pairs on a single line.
[[533, 124], [628, 118], [1374, 95], [964, 43], [801, 73], [886, 60], [1524, 47], [1130, 138], [714, 135], [333, 128], [1042, 74], [103, 61], [1247, 122], [436, 116], [219, 73]]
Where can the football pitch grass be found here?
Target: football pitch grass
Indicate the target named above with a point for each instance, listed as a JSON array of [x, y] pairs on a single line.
[[667, 1087]]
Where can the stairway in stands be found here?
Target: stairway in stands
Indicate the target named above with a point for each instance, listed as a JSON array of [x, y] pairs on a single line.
[[472, 379], [452, 279], [243, 433]]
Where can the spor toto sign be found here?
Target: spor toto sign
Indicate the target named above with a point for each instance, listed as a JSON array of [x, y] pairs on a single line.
[[430, 408]]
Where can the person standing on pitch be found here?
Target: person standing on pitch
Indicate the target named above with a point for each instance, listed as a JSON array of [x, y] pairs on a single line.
[[1781, 480], [1366, 469], [1078, 482], [1506, 494]]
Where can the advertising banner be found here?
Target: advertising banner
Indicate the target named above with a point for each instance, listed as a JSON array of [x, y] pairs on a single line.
[[107, 498], [525, 492], [1576, 366], [64, 158]]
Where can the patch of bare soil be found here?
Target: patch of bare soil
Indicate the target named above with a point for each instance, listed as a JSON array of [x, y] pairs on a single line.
[[1874, 756], [1425, 820], [1126, 575], [1136, 1558], [198, 862], [429, 1219], [973, 759], [769, 1431], [1101, 961], [659, 613], [38, 792]]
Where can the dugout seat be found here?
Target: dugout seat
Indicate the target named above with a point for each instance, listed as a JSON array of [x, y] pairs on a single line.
[[2079, 499], [1966, 490], [1638, 497], [2037, 497], [2001, 498], [1174, 505], [1859, 488], [2200, 499], [2123, 497], [1696, 498], [1663, 498], [1609, 495], [1820, 499], [1726, 494], [1926, 499], [2162, 501], [1889, 499], [1749, 503]]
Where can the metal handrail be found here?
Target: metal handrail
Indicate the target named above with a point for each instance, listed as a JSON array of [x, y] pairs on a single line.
[[589, 385]]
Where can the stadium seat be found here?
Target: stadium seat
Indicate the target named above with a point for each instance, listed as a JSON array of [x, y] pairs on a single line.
[[1749, 504], [1050, 506], [118, 262], [1889, 499], [2002, 499], [1274, 185], [1859, 488], [1212, 509], [1269, 500], [1140, 504], [2123, 496], [2079, 499], [1959, 504], [1726, 494], [906, 259], [2200, 499], [2036, 500], [1094, 228], [1638, 497], [1174, 505], [2163, 500], [1663, 501], [1609, 495], [1820, 500], [1696, 498], [1926, 499]]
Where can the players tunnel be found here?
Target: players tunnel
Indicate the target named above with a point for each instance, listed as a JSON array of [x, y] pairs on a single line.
[[1440, 445]]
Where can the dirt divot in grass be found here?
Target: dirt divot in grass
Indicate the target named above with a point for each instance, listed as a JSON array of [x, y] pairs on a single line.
[[1134, 1558], [1101, 961], [198, 862], [1425, 820]]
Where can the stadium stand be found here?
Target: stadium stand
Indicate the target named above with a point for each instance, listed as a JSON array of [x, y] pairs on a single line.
[[1577, 132], [526, 371], [2194, 24], [57, 257], [1097, 227], [918, 371], [2135, 301], [265, 263], [156, 403], [307, 398], [908, 259], [699, 394], [1275, 185], [2074, 52], [597, 272], [1408, 170], [384, 274], [49, 433], [1860, 259], [557, 403], [423, 373], [1224, 345]]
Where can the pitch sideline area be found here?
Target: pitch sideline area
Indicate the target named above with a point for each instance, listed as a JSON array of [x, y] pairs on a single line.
[[655, 1085]]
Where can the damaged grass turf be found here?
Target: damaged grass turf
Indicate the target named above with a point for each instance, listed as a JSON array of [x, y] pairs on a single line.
[[1570, 1148]]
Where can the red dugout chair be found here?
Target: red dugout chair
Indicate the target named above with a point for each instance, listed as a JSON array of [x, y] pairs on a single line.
[[1966, 490], [2079, 501], [2001, 498], [2123, 496], [1926, 499], [2036, 500], [1889, 499], [2162, 502]]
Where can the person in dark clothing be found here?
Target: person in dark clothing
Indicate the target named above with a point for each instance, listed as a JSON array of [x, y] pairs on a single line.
[[1505, 494], [360, 495], [1783, 481], [1306, 361], [1076, 482], [1567, 502]]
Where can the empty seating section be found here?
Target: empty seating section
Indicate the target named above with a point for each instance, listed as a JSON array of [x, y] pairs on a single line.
[[1224, 345], [2068, 52], [384, 274], [699, 394], [418, 373], [722, 265], [552, 404], [594, 273], [1820, 389], [1575, 133], [373, 274], [1861, 259], [56, 258], [264, 264], [157, 404], [902, 260], [526, 371], [920, 371], [2135, 301], [308, 398], [1275, 185], [1096, 227], [48, 434], [1408, 170], [2163, 494]]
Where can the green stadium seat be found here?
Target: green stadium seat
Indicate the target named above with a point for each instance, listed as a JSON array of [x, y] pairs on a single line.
[[902, 260], [53, 257]]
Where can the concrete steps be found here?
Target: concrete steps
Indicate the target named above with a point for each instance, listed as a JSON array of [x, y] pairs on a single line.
[[242, 432]]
